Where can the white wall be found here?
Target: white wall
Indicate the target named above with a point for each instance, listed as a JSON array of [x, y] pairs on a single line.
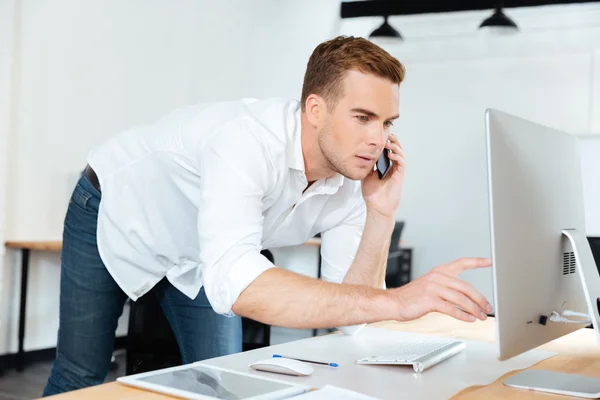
[[7, 19], [590, 160], [283, 37], [7, 41], [7, 13], [595, 111], [88, 70]]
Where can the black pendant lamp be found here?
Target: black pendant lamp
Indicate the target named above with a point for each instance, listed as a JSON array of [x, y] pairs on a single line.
[[499, 22], [386, 32]]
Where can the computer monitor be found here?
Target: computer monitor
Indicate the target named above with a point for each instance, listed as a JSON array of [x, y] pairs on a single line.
[[542, 261]]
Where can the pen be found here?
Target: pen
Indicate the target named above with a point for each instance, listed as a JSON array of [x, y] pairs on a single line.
[[309, 361]]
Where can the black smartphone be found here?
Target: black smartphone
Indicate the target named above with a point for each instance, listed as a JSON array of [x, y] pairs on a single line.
[[384, 164]]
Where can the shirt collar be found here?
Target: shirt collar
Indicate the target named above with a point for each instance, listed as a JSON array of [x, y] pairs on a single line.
[[296, 158]]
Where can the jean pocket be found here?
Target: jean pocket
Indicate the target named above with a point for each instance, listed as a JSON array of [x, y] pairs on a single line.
[[81, 197]]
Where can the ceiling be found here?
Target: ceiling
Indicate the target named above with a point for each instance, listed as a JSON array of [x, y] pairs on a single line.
[[368, 8]]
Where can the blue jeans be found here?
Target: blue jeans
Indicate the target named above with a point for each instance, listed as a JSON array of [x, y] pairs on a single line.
[[91, 303]]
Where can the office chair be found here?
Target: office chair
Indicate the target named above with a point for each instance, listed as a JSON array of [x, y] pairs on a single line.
[[399, 260], [398, 268], [256, 334], [151, 343]]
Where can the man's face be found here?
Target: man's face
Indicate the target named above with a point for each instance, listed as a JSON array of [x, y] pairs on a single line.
[[353, 136]]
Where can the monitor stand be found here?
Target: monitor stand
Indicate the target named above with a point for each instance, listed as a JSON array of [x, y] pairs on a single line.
[[558, 382]]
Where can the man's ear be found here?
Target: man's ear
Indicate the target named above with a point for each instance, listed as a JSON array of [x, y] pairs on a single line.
[[316, 109]]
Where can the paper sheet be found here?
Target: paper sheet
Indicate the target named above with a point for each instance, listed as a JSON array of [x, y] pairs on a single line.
[[476, 365], [330, 392]]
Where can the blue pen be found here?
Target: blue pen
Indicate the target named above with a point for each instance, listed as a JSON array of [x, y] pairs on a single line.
[[334, 365]]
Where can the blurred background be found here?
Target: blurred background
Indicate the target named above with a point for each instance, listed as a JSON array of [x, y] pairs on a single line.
[[73, 73]]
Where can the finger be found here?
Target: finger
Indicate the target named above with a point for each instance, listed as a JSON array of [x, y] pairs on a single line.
[[456, 267], [394, 147], [398, 166], [461, 301], [394, 139], [467, 290], [449, 309], [399, 158], [394, 152]]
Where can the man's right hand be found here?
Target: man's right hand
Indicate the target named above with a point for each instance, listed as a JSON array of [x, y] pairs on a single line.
[[440, 290], [283, 298]]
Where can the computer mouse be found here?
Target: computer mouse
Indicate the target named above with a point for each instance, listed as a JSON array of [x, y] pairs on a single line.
[[283, 366]]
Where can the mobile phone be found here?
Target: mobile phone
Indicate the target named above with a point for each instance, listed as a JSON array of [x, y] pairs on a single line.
[[384, 164]]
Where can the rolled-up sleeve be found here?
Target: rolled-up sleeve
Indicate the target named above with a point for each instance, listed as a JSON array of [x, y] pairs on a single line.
[[235, 175]]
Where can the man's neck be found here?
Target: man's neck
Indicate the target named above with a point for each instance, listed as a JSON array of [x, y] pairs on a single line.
[[315, 165]]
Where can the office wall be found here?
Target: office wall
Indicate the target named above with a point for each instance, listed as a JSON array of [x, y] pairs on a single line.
[[88, 70], [7, 13], [7, 26], [590, 157], [595, 128]]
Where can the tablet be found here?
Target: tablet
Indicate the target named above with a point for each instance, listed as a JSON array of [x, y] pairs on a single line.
[[203, 382]]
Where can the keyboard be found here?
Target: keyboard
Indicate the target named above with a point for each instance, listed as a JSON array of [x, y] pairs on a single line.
[[421, 354]]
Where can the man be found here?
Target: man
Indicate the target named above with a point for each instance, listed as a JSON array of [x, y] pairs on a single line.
[[185, 205]]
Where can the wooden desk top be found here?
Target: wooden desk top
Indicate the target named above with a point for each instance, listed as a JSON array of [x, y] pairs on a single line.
[[578, 353], [57, 245], [313, 242], [39, 246], [316, 241]]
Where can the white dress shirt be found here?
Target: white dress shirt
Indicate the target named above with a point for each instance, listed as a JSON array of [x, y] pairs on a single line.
[[198, 194]]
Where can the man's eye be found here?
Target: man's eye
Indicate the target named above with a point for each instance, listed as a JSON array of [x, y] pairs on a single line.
[[363, 118], [388, 124]]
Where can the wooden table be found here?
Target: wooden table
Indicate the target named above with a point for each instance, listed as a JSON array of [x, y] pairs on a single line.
[[26, 248], [578, 353], [316, 241]]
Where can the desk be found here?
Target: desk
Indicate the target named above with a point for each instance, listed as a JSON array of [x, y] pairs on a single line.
[[316, 241], [577, 353], [26, 248]]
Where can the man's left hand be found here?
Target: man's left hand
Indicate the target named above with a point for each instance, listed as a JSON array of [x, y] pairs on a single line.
[[383, 195]]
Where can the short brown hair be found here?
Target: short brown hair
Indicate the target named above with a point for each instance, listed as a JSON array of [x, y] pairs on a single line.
[[330, 61]]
